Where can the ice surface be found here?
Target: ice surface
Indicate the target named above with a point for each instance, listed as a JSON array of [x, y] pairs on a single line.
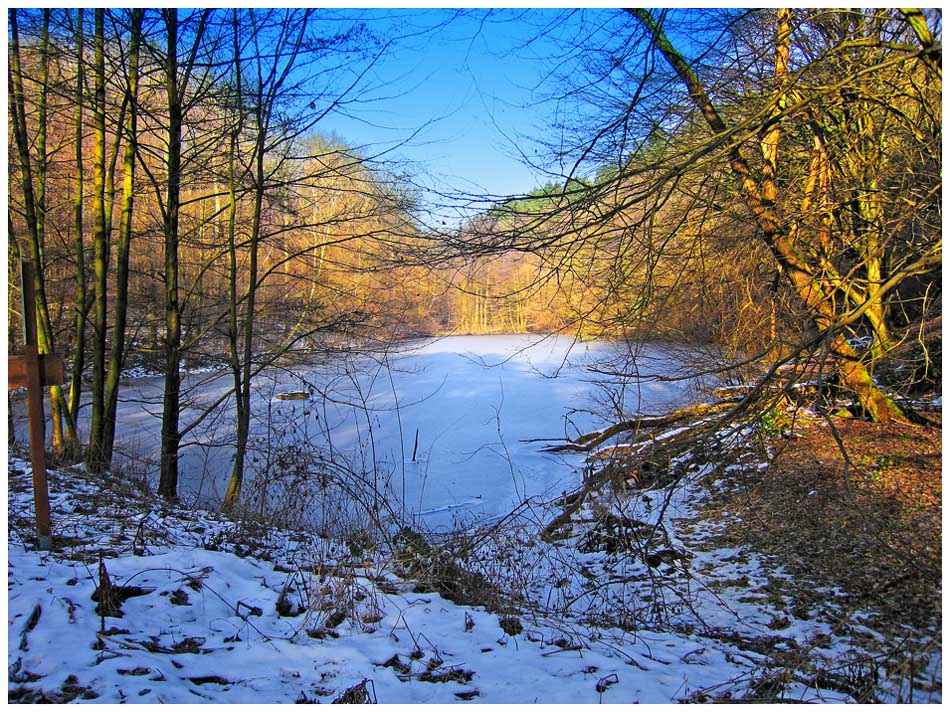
[[473, 400]]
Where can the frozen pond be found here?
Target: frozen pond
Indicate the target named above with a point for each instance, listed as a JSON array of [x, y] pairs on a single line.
[[434, 434]]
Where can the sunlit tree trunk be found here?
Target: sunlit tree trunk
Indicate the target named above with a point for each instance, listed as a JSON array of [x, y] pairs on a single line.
[[100, 249], [79, 338], [865, 156], [247, 337], [918, 23], [35, 209], [872, 216], [57, 440], [120, 308]]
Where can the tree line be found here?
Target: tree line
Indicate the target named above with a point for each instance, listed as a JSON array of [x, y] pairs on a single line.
[[169, 179]]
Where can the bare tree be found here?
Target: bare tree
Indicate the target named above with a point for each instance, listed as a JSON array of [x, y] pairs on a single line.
[[816, 285], [814, 144], [34, 185], [178, 75], [101, 229], [79, 334], [120, 304]]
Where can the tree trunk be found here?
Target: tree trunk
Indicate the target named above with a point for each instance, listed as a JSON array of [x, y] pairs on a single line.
[[918, 23], [34, 208], [873, 241], [34, 202], [244, 394], [79, 338], [94, 453], [171, 405], [57, 442], [265, 97], [120, 308], [236, 481]]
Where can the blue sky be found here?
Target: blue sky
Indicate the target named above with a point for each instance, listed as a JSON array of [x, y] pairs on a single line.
[[471, 89]]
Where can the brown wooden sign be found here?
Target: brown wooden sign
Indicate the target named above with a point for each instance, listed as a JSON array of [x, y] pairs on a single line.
[[52, 371], [33, 371]]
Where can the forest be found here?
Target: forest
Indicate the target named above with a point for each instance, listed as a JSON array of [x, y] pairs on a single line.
[[758, 189]]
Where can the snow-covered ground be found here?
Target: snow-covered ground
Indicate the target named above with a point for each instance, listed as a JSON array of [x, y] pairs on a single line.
[[228, 612], [207, 627]]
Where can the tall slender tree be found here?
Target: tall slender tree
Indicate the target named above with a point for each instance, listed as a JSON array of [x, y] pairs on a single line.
[[101, 247], [79, 252], [272, 69], [177, 78], [168, 473], [121, 302], [234, 355]]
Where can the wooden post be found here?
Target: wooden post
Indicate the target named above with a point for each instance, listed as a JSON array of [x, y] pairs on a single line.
[[35, 371]]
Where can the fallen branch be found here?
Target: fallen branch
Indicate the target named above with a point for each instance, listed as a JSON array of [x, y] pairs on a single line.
[[645, 461], [587, 442]]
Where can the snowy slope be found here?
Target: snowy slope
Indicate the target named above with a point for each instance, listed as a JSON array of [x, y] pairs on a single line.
[[208, 628], [235, 612]]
